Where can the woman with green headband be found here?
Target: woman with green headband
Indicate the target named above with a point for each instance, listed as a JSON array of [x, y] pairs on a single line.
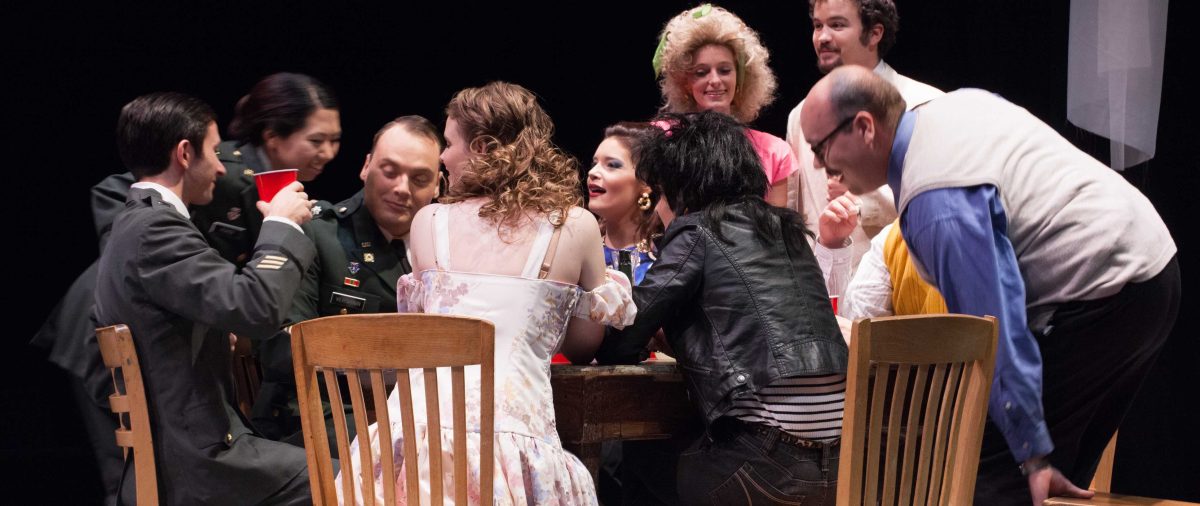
[[709, 60]]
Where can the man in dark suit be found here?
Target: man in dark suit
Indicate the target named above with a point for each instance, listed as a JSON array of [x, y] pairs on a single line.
[[361, 253], [158, 275]]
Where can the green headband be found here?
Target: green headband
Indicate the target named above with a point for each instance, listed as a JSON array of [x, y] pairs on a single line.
[[656, 61]]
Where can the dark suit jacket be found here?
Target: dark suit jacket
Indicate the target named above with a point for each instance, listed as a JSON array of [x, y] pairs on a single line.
[[158, 275], [68, 333]]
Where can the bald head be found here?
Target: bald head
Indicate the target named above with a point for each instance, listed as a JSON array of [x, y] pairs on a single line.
[[855, 103], [849, 89]]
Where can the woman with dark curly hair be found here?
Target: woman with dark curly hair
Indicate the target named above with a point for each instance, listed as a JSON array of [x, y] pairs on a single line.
[[624, 204], [509, 244], [709, 60], [742, 302]]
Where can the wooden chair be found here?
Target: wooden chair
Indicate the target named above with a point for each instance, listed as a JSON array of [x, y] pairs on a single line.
[[247, 375], [133, 417], [916, 400], [1102, 480], [368, 346], [1102, 485]]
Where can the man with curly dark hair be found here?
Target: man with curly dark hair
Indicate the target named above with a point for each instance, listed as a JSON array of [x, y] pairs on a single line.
[[848, 32]]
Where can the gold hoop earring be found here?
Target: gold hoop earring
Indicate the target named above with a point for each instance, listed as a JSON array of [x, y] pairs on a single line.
[[643, 202]]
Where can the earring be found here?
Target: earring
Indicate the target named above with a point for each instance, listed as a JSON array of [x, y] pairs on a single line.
[[643, 202]]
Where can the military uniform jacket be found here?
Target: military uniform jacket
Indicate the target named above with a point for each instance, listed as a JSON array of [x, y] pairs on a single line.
[[158, 275], [355, 272], [231, 221], [356, 269]]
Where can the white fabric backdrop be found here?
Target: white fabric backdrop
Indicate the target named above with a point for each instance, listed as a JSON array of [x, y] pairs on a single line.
[[1114, 73]]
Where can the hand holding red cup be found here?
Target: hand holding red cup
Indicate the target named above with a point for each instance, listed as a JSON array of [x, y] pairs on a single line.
[[269, 183]]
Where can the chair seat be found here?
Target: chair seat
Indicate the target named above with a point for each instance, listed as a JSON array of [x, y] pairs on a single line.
[[1105, 499]]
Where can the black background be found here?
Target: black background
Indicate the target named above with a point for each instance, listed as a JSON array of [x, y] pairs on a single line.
[[69, 68]]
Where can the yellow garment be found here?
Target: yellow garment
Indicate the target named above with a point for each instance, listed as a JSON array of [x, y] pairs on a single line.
[[910, 294]]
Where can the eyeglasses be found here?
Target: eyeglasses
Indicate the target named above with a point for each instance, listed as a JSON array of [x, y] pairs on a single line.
[[821, 146]]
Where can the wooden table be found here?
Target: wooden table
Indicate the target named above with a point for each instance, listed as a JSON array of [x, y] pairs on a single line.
[[593, 404]]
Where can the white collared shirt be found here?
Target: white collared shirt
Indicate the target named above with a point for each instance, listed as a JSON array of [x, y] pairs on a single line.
[[168, 196]]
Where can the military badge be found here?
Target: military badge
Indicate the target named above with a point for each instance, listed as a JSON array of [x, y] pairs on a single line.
[[350, 282], [368, 257], [233, 213], [354, 266]]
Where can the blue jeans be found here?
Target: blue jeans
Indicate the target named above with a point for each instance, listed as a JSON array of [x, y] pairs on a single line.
[[734, 465]]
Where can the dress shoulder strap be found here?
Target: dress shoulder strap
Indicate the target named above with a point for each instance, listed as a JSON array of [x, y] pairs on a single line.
[[541, 253], [441, 237]]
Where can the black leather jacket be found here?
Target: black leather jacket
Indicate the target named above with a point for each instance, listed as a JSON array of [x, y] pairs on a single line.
[[739, 315]]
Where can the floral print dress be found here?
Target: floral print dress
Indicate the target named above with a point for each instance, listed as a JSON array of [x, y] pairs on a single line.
[[530, 316]]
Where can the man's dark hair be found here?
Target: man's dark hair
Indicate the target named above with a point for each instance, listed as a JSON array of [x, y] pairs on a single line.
[[871, 13], [704, 163], [413, 124], [280, 103], [152, 125]]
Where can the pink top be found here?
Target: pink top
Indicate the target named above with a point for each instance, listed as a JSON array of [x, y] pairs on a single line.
[[777, 158]]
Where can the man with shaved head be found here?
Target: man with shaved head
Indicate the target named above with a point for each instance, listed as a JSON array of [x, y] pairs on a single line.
[[1006, 218]]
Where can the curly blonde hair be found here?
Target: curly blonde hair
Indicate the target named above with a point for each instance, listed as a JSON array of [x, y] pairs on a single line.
[[686, 33], [518, 169]]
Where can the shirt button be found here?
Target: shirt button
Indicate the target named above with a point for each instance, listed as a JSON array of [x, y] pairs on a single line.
[[741, 378], [1008, 406], [228, 438], [344, 311], [1025, 445]]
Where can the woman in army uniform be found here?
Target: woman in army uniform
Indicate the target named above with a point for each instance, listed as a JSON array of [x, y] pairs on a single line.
[[287, 121]]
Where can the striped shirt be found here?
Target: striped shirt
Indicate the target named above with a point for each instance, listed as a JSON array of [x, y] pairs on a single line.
[[808, 407]]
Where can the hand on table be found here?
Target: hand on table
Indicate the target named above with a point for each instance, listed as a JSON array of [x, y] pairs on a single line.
[[1050, 482]]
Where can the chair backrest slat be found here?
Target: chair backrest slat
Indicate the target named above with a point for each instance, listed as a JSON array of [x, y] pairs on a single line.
[[347, 350], [130, 404], [942, 434], [434, 413], [892, 451], [458, 387], [340, 435], [384, 421], [875, 431], [928, 425], [360, 427], [411, 462], [913, 436], [487, 426], [912, 430]]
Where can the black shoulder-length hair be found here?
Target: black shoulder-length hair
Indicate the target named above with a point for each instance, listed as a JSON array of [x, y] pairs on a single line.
[[703, 162]]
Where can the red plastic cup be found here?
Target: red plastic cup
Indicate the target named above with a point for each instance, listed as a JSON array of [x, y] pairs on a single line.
[[833, 299], [559, 358], [269, 183]]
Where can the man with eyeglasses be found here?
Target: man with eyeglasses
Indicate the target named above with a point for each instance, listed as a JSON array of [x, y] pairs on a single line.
[[846, 32], [1005, 217]]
